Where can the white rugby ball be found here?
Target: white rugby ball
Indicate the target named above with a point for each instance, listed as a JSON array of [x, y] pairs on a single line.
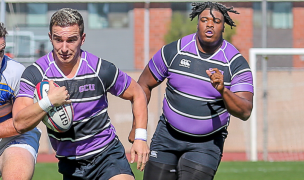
[[58, 119]]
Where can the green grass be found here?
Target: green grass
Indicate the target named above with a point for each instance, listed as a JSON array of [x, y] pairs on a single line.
[[227, 171], [260, 170], [49, 171]]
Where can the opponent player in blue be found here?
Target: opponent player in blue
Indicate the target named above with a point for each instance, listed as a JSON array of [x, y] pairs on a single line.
[[17, 152], [90, 149], [207, 81]]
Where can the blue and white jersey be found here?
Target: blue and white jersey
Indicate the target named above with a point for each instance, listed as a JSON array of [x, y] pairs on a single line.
[[11, 72], [191, 104]]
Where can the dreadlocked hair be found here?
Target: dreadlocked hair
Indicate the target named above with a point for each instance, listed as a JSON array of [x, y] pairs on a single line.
[[200, 7]]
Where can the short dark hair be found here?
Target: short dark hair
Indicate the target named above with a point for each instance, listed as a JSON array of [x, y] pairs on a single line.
[[67, 17], [3, 31], [200, 7]]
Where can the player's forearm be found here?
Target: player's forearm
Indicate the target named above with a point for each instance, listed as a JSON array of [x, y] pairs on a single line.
[[140, 112], [147, 91], [237, 106], [28, 118], [7, 129]]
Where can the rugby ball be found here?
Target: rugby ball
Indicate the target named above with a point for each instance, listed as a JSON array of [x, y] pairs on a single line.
[[58, 119]]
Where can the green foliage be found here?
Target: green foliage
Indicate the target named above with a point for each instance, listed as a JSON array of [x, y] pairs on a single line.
[[181, 25], [229, 33]]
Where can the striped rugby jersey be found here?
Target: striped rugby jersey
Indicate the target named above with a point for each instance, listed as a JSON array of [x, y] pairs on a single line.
[[11, 72], [191, 104], [92, 130]]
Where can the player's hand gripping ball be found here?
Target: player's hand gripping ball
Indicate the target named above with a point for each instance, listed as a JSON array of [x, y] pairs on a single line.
[[58, 119]]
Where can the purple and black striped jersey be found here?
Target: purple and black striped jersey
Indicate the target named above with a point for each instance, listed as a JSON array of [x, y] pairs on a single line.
[[92, 130], [191, 104]]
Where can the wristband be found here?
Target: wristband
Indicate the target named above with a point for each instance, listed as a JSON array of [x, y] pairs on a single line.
[[141, 134], [45, 104]]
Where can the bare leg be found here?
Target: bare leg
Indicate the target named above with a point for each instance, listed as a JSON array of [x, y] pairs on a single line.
[[17, 164]]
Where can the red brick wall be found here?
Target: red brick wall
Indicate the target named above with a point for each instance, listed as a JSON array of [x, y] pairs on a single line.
[[242, 40], [160, 16], [139, 12], [298, 31]]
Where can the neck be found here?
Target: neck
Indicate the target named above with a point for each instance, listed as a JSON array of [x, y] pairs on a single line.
[[207, 47], [68, 69]]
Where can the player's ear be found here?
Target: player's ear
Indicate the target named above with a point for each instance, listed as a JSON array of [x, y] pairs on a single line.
[[50, 36], [83, 38]]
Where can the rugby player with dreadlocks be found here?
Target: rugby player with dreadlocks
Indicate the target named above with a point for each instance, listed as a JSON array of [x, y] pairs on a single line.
[[207, 81]]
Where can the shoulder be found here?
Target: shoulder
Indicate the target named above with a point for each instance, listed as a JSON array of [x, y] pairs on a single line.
[[170, 48], [231, 52], [16, 65], [181, 43], [91, 59], [107, 69], [12, 67]]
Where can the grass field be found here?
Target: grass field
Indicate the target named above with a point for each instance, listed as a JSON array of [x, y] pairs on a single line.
[[227, 171]]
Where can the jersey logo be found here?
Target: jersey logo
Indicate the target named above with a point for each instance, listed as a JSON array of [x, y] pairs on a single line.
[[87, 87], [185, 63], [153, 154]]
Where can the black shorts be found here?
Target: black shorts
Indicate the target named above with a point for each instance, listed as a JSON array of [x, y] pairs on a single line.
[[168, 146], [105, 165]]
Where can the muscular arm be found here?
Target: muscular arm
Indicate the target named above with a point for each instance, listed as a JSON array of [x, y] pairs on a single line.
[[147, 82], [136, 95], [7, 129], [238, 104], [27, 114]]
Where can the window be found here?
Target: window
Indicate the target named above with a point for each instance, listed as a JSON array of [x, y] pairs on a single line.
[[108, 15], [282, 15], [279, 15], [26, 14], [37, 14], [181, 6]]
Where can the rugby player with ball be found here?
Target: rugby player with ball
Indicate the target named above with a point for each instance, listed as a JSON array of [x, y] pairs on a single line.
[[90, 148]]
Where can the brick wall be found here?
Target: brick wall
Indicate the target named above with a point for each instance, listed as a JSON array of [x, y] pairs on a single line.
[[243, 39], [160, 16], [298, 31], [139, 11]]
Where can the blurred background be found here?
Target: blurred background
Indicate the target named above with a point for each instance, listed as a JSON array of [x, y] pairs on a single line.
[[128, 33]]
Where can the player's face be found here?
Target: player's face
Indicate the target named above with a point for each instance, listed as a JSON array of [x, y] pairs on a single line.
[[66, 43], [2, 47], [209, 29]]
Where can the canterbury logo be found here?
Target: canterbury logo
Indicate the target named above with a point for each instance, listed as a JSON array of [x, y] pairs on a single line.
[[185, 63], [153, 154]]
